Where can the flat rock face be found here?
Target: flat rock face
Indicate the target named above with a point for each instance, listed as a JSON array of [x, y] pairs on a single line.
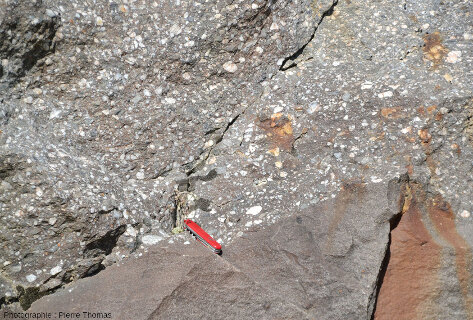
[[429, 270], [319, 263]]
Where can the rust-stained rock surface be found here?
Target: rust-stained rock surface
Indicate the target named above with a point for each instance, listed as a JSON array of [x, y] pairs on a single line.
[[428, 273], [434, 50], [278, 129]]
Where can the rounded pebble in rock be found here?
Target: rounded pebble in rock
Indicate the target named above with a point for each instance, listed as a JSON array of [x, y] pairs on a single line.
[[54, 271], [230, 67], [50, 13], [254, 210], [140, 175], [278, 109], [117, 214], [151, 239], [453, 56], [136, 99], [170, 100], [16, 268], [30, 277], [313, 107], [465, 214], [54, 114], [131, 231], [39, 192], [386, 94]]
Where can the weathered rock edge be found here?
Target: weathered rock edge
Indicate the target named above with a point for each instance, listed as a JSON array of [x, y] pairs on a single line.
[[322, 262]]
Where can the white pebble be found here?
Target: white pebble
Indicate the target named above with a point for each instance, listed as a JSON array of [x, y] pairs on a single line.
[[376, 179], [151, 239], [30, 277], [278, 109], [230, 66], [313, 107], [189, 44], [208, 144], [54, 271], [140, 175], [254, 210], [54, 114], [50, 13], [175, 30], [406, 130], [454, 56], [131, 231], [386, 94], [465, 214], [39, 192], [170, 100]]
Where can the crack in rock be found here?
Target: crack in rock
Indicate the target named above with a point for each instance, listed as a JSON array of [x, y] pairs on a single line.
[[219, 139], [291, 61], [105, 243]]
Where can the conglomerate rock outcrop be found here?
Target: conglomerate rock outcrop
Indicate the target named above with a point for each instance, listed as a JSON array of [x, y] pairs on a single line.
[[118, 117]]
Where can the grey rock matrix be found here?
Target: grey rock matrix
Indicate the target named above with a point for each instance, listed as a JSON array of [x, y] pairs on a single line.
[[327, 145]]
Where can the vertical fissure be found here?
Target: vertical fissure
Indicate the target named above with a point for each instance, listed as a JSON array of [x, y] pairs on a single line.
[[289, 62], [404, 203]]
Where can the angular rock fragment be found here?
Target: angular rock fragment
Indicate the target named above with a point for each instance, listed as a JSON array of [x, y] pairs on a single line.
[[298, 268]]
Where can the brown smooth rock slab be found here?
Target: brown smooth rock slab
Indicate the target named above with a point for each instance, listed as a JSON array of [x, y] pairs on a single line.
[[322, 263], [429, 270]]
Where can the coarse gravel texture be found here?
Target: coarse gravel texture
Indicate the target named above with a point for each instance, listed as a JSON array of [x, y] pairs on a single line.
[[120, 101], [117, 118]]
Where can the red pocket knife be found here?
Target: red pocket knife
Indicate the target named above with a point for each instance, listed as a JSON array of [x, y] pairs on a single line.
[[203, 236]]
